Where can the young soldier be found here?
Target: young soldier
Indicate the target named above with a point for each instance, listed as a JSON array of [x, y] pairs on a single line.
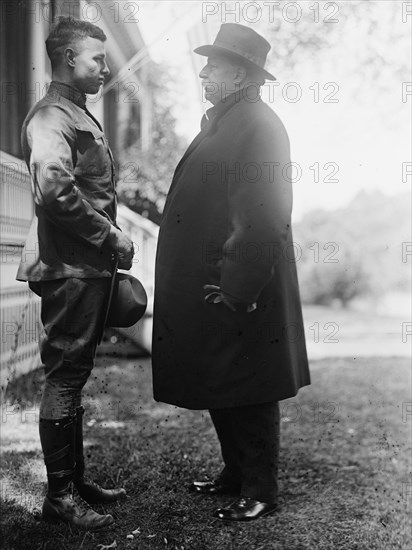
[[75, 235]]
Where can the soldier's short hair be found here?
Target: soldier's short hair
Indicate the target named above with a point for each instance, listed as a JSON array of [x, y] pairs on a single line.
[[66, 32]]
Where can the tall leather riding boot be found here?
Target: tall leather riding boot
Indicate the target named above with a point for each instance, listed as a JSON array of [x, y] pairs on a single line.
[[90, 491], [58, 444], [62, 503]]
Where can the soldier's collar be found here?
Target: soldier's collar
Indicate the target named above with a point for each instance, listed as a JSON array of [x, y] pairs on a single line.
[[69, 92]]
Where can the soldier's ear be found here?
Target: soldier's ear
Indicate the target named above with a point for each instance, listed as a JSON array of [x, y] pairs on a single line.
[[240, 75], [69, 56]]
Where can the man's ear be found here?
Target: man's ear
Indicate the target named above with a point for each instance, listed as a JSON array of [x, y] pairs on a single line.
[[240, 75], [69, 56]]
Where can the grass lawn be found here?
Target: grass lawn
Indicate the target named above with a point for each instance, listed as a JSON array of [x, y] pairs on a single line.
[[345, 471]]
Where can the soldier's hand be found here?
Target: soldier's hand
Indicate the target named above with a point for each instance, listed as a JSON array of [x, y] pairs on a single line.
[[123, 247], [125, 262]]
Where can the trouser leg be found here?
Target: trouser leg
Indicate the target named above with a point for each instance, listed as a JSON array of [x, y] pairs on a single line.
[[72, 311], [257, 436], [222, 422]]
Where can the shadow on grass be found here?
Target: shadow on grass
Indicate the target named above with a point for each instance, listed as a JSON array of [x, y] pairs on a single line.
[[344, 472]]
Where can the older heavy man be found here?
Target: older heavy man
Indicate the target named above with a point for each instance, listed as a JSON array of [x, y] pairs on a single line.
[[228, 331], [68, 258]]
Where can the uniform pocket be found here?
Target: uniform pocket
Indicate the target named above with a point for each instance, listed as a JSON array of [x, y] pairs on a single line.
[[92, 152]]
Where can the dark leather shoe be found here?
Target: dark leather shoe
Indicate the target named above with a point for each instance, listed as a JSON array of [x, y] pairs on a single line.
[[67, 506], [216, 487], [92, 493], [245, 509]]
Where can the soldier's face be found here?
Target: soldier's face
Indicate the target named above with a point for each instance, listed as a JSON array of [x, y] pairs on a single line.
[[218, 78], [89, 65]]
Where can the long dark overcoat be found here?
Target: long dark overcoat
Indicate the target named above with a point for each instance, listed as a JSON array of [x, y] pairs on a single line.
[[227, 222]]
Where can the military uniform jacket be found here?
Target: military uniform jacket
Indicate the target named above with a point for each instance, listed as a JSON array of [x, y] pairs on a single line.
[[227, 222], [72, 177]]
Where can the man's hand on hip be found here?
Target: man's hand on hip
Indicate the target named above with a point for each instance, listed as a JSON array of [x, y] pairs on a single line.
[[123, 247]]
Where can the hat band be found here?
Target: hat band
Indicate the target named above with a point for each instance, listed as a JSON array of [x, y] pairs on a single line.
[[233, 48]]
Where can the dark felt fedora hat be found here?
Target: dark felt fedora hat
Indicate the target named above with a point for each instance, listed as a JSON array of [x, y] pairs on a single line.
[[128, 301], [242, 43]]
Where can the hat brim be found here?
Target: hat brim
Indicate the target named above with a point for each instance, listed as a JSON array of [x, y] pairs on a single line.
[[210, 49]]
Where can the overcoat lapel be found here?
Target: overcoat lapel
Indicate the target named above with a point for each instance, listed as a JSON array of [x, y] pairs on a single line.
[[198, 139], [207, 124]]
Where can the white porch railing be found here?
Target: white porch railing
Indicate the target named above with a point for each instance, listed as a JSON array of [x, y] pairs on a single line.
[[19, 307], [143, 233]]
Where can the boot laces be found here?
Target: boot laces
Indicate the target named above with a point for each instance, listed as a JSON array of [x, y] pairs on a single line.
[[81, 503], [90, 483]]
